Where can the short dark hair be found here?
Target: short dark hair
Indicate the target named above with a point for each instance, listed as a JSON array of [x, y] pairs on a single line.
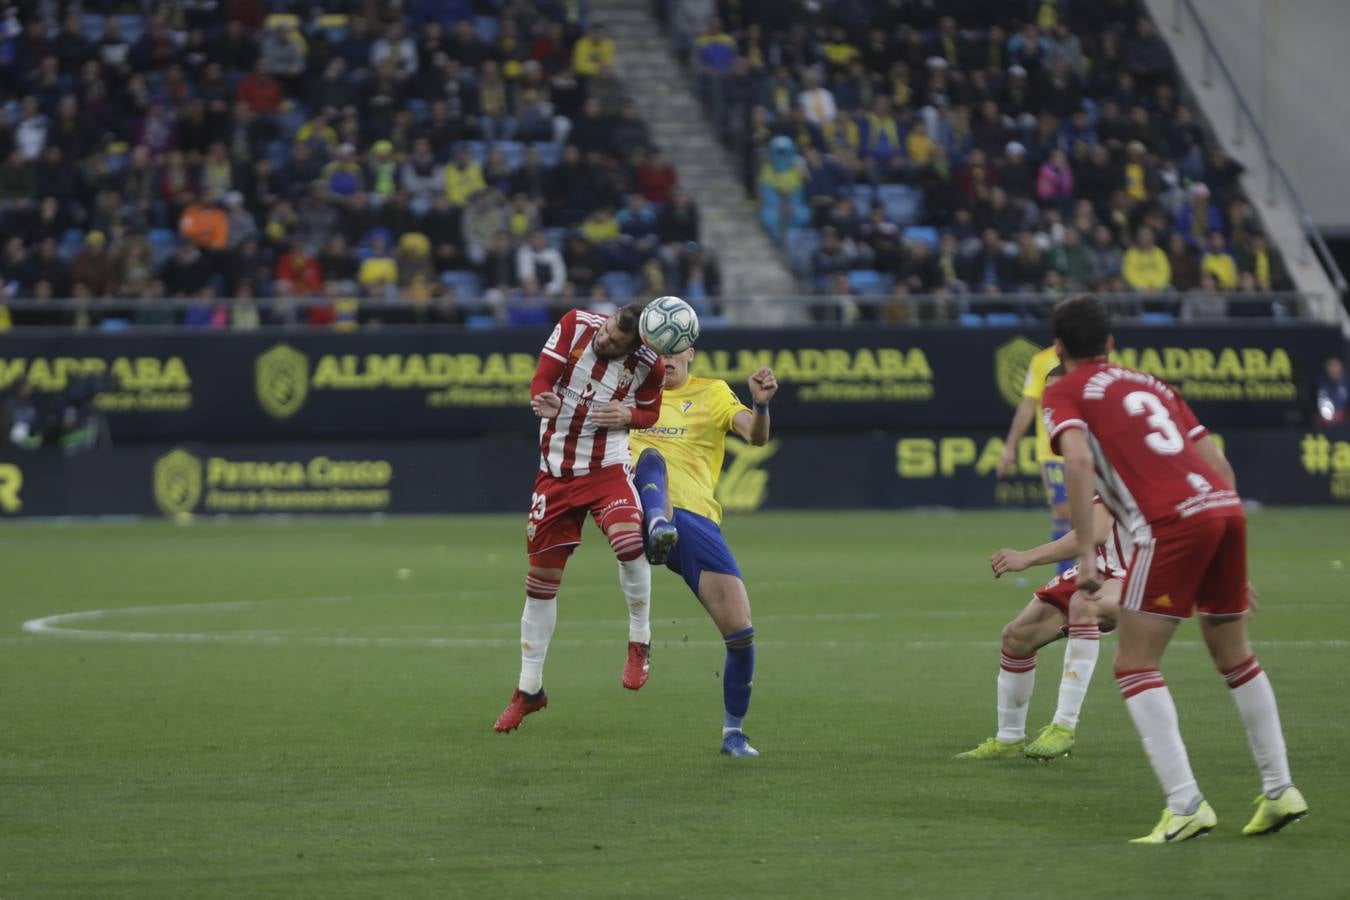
[[626, 319], [1082, 324], [1056, 372]]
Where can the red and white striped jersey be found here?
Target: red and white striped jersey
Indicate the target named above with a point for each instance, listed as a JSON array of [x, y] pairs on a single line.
[[570, 444], [1142, 436], [1117, 550]]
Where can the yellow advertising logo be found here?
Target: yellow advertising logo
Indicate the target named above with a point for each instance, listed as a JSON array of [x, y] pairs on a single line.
[[178, 482], [282, 380], [11, 482], [1321, 455], [744, 485], [1010, 367]]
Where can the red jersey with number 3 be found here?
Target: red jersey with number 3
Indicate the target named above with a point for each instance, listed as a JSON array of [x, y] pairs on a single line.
[[1142, 436], [571, 444]]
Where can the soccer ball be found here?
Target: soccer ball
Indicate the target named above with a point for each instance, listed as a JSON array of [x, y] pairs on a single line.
[[668, 325]]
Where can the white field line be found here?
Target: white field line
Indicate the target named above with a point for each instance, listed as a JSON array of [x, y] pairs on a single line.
[[59, 626]]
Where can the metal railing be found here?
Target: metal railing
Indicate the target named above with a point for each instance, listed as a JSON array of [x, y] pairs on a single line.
[[805, 310], [1243, 121]]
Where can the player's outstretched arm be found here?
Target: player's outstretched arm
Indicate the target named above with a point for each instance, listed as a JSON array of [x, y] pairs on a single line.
[[1058, 550], [754, 427], [1026, 412], [1080, 477]]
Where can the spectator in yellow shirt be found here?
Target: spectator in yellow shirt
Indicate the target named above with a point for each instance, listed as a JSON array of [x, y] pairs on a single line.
[[594, 50], [1145, 267], [463, 178], [379, 270], [1218, 262]]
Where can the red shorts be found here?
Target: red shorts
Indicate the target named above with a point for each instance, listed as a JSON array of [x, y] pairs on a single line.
[[559, 506], [1191, 565], [1059, 590]]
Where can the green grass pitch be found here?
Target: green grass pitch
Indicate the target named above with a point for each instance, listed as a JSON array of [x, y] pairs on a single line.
[[295, 717]]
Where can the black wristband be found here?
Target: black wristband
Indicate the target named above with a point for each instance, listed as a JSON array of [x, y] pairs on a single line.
[[761, 407]]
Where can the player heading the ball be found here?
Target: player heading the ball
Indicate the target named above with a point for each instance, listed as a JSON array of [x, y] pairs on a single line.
[[595, 380]]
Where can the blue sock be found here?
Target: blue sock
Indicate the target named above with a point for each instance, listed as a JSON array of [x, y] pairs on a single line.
[[738, 676], [650, 478], [1060, 528]]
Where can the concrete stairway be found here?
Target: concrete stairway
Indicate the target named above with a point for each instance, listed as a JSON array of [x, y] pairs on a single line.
[[753, 269]]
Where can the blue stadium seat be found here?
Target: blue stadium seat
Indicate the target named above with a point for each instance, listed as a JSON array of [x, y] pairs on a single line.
[[514, 151], [464, 283], [163, 242], [72, 236], [621, 285], [550, 154], [867, 282], [801, 243], [91, 26], [113, 324], [925, 233], [1003, 319], [556, 236], [1157, 318], [477, 150], [481, 322], [971, 320], [420, 109], [529, 315], [863, 195], [488, 28], [902, 203], [132, 27]]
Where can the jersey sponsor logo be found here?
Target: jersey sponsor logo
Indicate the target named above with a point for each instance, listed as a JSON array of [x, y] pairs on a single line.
[[1012, 362], [184, 483], [281, 378], [664, 431], [744, 485], [11, 484], [552, 342]]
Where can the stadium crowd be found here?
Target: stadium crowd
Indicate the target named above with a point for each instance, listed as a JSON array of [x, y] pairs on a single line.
[[977, 147], [475, 159]]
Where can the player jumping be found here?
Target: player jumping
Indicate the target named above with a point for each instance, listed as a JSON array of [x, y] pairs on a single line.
[[595, 380], [1052, 467], [683, 521], [1168, 484], [1056, 610]]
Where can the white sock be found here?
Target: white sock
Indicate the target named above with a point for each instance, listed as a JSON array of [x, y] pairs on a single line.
[[1155, 718], [1080, 659], [1255, 701], [1016, 680], [635, 577], [536, 630]]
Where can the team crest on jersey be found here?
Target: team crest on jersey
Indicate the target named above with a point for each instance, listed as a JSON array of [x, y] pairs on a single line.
[[687, 405], [530, 530], [626, 378]]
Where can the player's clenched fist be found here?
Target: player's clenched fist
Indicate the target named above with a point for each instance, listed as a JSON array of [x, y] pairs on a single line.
[[763, 385], [546, 405], [1005, 561], [612, 415]]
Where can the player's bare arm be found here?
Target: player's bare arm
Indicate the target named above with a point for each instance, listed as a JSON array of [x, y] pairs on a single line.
[[1081, 478], [1022, 418], [754, 427], [1005, 560], [1209, 449]]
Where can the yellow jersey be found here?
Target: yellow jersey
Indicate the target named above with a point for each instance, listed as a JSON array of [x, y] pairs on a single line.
[[1032, 389], [692, 435]]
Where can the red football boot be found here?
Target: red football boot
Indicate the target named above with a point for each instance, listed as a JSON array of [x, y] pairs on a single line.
[[521, 705], [639, 665]]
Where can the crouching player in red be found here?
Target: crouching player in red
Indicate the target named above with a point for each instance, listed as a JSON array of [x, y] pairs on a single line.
[[1167, 483], [682, 515], [595, 380], [1057, 610]]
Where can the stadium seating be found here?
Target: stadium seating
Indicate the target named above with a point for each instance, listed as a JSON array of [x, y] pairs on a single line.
[[1012, 82], [139, 154]]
